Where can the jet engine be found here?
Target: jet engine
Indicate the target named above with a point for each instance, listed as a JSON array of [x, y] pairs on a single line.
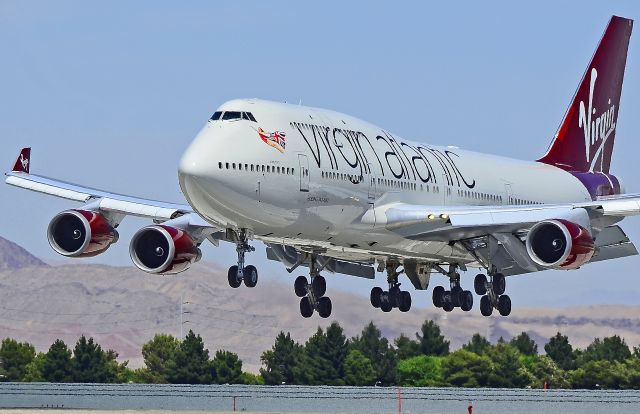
[[163, 250], [559, 244], [80, 233]]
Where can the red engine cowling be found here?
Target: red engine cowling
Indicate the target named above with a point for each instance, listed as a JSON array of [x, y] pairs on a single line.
[[80, 233], [559, 244], [163, 250]]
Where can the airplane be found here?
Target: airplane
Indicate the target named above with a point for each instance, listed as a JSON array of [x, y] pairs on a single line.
[[334, 193]]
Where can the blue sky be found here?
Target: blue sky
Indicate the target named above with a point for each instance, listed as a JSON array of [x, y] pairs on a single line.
[[109, 94]]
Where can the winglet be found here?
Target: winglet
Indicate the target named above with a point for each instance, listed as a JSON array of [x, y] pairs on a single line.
[[23, 161]]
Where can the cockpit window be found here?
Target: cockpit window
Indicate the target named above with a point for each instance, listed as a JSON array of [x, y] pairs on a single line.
[[250, 115], [216, 115], [229, 115]]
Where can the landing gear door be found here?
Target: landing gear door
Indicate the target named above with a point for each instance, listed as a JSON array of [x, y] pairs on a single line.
[[303, 172]]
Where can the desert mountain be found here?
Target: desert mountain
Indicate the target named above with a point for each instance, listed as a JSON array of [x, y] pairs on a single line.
[[13, 256], [123, 308]]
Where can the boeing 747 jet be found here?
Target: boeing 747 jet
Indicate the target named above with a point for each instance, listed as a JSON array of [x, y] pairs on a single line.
[[333, 193]]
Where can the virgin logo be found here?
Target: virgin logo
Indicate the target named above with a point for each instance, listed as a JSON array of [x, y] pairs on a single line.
[[25, 162], [595, 129]]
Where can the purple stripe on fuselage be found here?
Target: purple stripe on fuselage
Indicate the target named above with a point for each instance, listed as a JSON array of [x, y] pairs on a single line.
[[598, 184]]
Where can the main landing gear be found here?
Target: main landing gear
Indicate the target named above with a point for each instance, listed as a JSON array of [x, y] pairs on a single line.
[[492, 294], [312, 294], [240, 273], [394, 297], [455, 297]]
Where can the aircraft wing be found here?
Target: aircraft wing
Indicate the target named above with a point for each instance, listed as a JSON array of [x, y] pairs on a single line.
[[99, 199]]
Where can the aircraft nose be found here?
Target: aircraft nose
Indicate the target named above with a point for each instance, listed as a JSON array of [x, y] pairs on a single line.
[[196, 160]]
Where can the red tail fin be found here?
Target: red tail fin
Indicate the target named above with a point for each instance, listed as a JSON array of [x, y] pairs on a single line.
[[23, 161], [584, 141]]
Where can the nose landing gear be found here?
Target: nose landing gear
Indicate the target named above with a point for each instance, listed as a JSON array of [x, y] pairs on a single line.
[[240, 273], [493, 296], [394, 297], [312, 294]]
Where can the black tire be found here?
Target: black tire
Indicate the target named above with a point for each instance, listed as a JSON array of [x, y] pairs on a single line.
[[306, 310], [376, 294], [504, 305], [250, 276], [466, 300], [394, 296], [486, 309], [447, 305], [300, 286], [499, 284], [319, 286], [456, 292], [232, 277], [480, 284], [405, 301], [385, 302], [324, 307], [438, 296]]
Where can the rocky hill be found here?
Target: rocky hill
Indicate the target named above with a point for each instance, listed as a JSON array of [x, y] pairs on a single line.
[[123, 308], [13, 256]]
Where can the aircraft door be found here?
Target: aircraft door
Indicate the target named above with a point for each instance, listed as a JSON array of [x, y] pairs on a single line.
[[372, 185], [508, 200], [303, 172]]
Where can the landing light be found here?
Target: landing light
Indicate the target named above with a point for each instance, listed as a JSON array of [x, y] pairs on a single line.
[[431, 216], [444, 216]]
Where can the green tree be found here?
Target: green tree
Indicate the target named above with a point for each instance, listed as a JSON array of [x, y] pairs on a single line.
[[544, 369], [90, 363], [603, 374], [57, 363], [190, 364], [248, 378], [406, 347], [358, 369], [464, 368], [322, 361], [281, 360], [612, 348], [420, 371], [33, 370], [157, 354], [478, 344], [14, 357], [560, 351], [377, 350], [509, 371], [227, 368], [431, 341], [525, 344]]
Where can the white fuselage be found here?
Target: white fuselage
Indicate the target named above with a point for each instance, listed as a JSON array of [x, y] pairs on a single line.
[[305, 177]]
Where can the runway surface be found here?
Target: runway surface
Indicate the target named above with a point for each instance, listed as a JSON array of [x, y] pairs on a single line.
[[298, 399]]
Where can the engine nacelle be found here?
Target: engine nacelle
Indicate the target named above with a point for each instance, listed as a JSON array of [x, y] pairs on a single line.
[[559, 244], [163, 250], [80, 233]]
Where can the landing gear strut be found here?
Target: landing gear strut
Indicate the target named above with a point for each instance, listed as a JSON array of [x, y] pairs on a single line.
[[456, 296], [312, 294], [240, 273], [394, 297], [493, 296]]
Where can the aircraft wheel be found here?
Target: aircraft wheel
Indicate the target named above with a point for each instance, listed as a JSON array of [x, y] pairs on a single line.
[[232, 277], [466, 300], [319, 286], [376, 294], [250, 276], [405, 301], [394, 296], [504, 305], [324, 307], [385, 302], [456, 293], [479, 284], [306, 310], [300, 286], [499, 284], [447, 305], [486, 309], [438, 296]]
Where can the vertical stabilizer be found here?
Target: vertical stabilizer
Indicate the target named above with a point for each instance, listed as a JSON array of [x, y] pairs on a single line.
[[584, 141], [23, 161]]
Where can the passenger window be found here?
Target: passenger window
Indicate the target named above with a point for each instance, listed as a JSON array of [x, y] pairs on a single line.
[[216, 115]]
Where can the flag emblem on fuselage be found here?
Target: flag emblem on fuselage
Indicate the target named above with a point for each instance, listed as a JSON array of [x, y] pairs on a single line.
[[275, 139]]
